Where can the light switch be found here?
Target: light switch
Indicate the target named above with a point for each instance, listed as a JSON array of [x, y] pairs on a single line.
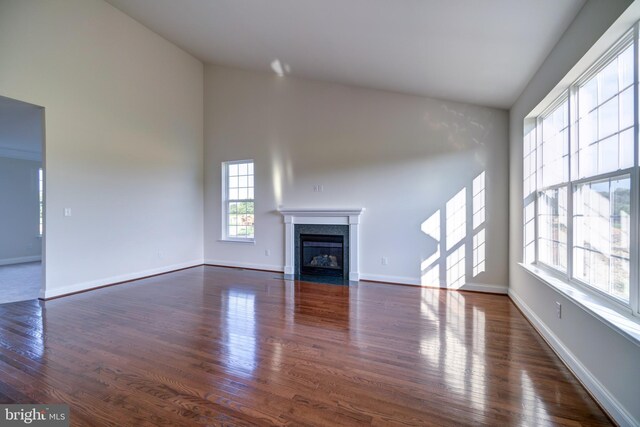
[[67, 211]]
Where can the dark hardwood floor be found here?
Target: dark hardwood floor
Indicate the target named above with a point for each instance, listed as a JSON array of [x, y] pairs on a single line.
[[216, 346]]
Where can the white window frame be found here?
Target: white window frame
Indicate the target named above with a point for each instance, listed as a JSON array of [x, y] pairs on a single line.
[[40, 201], [564, 281], [226, 201]]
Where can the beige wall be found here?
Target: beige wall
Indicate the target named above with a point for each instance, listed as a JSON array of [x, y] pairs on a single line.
[[123, 113], [401, 157]]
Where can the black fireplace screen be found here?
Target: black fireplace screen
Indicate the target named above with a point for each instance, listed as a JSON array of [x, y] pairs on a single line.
[[322, 254]]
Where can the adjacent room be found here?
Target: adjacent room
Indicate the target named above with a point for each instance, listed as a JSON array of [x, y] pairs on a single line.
[[235, 212], [21, 211]]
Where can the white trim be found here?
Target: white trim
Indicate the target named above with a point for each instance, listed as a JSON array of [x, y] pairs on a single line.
[[590, 382], [404, 280], [85, 286], [321, 212], [221, 263], [245, 241], [333, 216], [20, 260]]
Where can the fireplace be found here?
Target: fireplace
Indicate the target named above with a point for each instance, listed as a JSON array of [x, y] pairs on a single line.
[[324, 221], [322, 255]]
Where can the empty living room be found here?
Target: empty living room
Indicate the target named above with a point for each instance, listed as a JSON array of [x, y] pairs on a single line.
[[319, 212]]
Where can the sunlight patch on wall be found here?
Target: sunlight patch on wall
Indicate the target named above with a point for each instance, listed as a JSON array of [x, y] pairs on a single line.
[[478, 201], [449, 262], [430, 267], [456, 268], [478, 252], [479, 215], [456, 218]]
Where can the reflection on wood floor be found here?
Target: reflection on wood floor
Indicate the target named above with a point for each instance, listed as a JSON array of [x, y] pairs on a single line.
[[218, 346]]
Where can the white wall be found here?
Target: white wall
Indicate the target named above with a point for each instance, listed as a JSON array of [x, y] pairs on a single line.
[[123, 113], [19, 211], [401, 157], [602, 358]]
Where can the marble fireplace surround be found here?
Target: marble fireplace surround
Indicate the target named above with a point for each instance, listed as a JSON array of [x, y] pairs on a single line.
[[350, 217]]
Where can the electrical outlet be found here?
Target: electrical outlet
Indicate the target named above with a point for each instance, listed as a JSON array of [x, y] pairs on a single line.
[[384, 260], [267, 252], [67, 211], [318, 188], [559, 309]]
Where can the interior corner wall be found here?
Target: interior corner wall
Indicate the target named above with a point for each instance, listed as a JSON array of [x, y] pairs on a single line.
[[604, 360], [403, 158], [19, 211], [124, 139]]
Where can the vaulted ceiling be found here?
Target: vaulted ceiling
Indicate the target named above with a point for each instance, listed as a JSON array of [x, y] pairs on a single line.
[[477, 51]]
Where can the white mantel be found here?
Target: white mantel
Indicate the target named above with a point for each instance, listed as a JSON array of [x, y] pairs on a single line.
[[350, 217]]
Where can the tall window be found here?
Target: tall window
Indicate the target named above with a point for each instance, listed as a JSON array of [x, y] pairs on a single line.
[[580, 178], [41, 201], [238, 200]]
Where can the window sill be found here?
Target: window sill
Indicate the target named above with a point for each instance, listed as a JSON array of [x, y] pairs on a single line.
[[244, 241], [625, 324]]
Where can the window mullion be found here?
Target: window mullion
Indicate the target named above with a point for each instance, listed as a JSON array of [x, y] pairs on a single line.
[[536, 228], [572, 139], [634, 254]]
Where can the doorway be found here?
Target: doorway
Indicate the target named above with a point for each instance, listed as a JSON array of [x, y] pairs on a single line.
[[22, 200]]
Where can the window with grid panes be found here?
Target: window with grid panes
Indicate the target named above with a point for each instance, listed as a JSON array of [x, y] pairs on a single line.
[[580, 174], [238, 200]]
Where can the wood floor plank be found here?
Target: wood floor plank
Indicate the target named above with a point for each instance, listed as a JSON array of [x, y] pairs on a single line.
[[219, 346]]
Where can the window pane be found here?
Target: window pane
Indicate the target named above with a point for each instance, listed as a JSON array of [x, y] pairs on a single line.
[[608, 154], [625, 67], [607, 82], [242, 169], [233, 182], [626, 149], [587, 129], [608, 118], [552, 226], [555, 146], [233, 170], [626, 108], [602, 235], [588, 97]]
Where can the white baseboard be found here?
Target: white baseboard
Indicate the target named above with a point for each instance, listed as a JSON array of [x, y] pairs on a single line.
[[248, 265], [591, 383], [470, 286], [21, 260], [85, 286]]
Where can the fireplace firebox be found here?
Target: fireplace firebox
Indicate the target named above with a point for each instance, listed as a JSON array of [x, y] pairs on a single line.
[[322, 255]]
